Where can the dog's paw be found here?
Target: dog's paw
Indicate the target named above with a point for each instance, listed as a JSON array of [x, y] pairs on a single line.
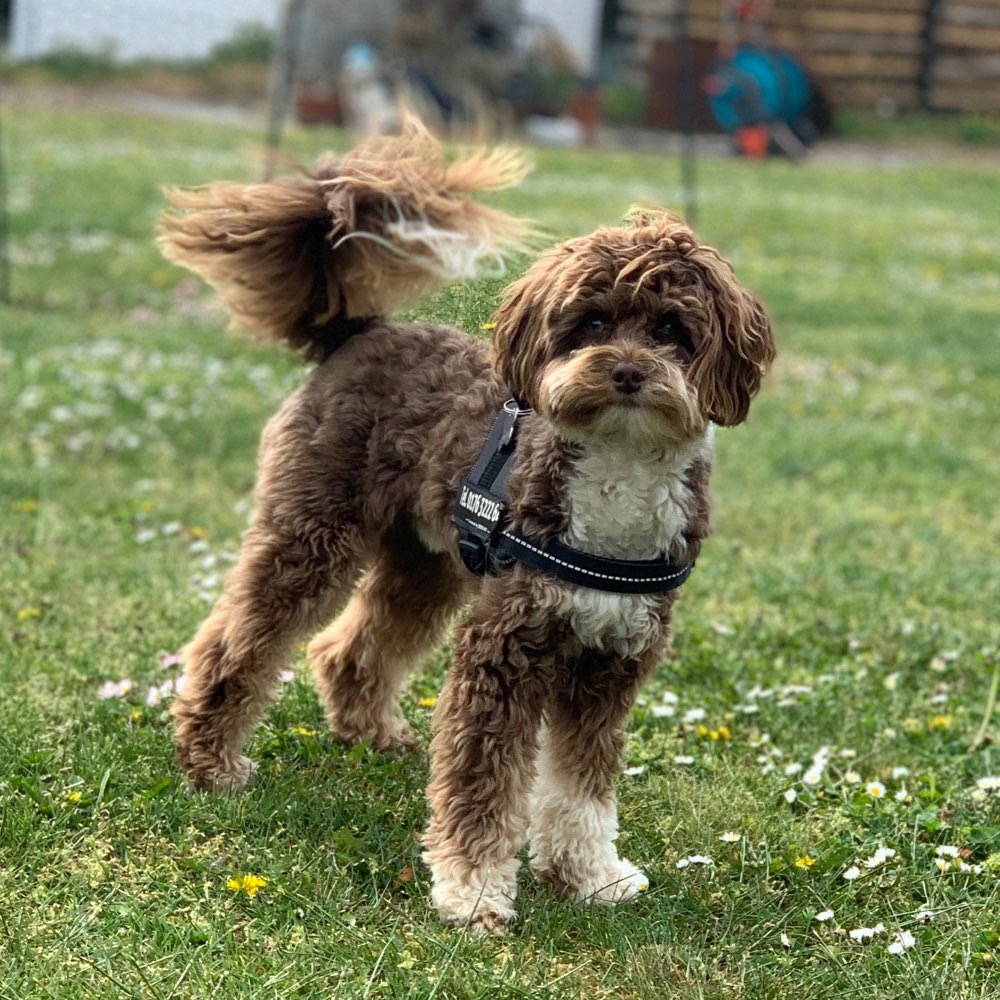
[[399, 738], [386, 737], [481, 920], [614, 881], [222, 778], [480, 901], [490, 922], [616, 884]]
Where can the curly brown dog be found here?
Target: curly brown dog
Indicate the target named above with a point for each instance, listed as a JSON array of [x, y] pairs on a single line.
[[628, 345]]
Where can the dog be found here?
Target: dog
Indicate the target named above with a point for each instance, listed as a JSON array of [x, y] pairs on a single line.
[[624, 349]]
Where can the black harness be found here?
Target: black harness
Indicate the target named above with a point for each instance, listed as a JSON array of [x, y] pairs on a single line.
[[489, 544]]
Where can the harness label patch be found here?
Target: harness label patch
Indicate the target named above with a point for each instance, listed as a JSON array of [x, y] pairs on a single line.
[[479, 505]]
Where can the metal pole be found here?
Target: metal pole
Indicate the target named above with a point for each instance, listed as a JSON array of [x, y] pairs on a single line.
[[686, 98], [929, 53], [283, 66], [5, 293]]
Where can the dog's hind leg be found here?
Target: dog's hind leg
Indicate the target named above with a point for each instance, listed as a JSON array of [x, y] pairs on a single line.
[[574, 812], [286, 583], [398, 611]]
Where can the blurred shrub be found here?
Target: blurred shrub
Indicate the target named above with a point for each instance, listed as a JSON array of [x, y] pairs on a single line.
[[624, 104], [979, 129], [75, 65], [973, 128], [253, 43]]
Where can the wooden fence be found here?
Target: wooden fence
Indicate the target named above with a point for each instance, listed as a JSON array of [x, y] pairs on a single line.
[[931, 54]]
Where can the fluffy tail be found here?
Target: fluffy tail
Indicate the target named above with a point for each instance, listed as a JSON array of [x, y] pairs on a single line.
[[308, 259]]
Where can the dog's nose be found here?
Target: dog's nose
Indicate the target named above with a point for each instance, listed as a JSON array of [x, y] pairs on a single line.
[[627, 377]]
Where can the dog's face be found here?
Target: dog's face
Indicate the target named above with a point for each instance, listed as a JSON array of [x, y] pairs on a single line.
[[636, 333]]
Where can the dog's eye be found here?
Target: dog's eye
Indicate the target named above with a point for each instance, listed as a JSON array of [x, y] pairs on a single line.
[[670, 331], [592, 329]]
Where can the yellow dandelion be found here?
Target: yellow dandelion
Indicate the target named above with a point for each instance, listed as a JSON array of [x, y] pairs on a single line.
[[302, 731], [428, 702], [703, 730], [24, 614], [725, 733], [940, 721], [805, 861], [250, 884], [74, 797], [199, 533], [26, 507], [488, 326]]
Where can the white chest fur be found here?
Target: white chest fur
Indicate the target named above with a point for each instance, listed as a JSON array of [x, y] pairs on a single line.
[[624, 506]]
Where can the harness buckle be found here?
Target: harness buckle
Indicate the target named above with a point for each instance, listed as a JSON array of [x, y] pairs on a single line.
[[511, 411]]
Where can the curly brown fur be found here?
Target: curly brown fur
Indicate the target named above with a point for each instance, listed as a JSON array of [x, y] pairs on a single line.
[[629, 343]]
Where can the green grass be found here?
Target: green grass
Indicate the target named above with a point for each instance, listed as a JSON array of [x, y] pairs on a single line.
[[848, 600]]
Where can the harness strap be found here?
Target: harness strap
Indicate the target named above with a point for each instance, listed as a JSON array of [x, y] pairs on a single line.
[[619, 576], [489, 545]]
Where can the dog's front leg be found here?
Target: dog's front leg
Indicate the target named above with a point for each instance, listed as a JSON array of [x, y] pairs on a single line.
[[574, 811], [482, 766]]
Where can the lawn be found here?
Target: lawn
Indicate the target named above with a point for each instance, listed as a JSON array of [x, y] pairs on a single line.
[[823, 713]]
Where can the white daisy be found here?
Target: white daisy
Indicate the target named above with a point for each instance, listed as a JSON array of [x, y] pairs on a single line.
[[946, 851], [852, 777], [823, 916], [683, 758], [729, 837], [875, 789], [866, 933], [880, 857], [852, 873], [695, 859], [632, 772], [904, 940], [990, 783], [899, 772], [791, 795]]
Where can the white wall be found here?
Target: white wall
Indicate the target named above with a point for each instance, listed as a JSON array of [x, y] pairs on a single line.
[[132, 29], [578, 23]]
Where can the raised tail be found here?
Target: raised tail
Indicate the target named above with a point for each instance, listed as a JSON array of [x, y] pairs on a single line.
[[307, 259]]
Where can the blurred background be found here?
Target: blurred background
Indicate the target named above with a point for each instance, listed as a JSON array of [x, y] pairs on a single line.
[[767, 76]]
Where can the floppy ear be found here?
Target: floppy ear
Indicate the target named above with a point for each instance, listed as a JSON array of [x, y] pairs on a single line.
[[738, 346], [520, 332]]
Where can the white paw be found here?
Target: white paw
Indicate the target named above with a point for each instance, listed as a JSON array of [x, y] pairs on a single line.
[[617, 883], [481, 901]]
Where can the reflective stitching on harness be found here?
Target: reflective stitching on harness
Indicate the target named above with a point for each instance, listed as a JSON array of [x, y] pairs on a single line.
[[590, 572]]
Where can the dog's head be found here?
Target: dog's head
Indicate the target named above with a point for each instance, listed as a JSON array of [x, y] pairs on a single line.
[[637, 332]]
